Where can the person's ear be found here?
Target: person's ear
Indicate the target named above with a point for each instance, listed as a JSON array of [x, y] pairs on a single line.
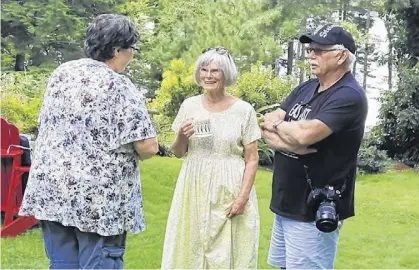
[[116, 52], [343, 55]]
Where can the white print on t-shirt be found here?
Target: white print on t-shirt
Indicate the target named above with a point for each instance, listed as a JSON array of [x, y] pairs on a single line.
[[299, 112]]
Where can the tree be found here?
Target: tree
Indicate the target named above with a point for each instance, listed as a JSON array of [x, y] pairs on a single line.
[[249, 29], [399, 116], [364, 84], [198, 25], [359, 13], [408, 17], [399, 113], [140, 70], [46, 31], [388, 15]]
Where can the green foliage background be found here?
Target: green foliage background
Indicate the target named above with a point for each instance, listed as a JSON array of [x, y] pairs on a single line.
[[38, 35]]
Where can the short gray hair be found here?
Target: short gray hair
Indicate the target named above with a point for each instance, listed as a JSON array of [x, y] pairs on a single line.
[[351, 60], [223, 61], [351, 57], [107, 32]]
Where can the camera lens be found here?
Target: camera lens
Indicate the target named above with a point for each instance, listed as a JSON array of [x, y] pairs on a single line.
[[326, 219]]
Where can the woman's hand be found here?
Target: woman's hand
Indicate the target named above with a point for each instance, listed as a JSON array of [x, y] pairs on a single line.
[[238, 207], [187, 128]]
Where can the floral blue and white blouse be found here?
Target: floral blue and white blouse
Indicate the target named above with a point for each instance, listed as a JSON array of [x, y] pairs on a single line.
[[85, 170]]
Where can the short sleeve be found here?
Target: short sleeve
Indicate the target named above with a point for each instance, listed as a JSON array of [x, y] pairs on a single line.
[[251, 130], [180, 117], [343, 108], [290, 99], [130, 120]]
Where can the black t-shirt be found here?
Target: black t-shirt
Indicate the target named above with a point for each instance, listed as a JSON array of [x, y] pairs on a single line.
[[343, 108]]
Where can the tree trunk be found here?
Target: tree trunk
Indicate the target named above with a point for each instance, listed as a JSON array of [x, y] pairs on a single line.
[[390, 57], [36, 57], [366, 53], [290, 57], [345, 10], [273, 3], [20, 62], [303, 52], [302, 69], [297, 56], [390, 66]]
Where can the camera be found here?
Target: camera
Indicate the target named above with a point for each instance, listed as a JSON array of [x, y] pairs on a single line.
[[325, 201]]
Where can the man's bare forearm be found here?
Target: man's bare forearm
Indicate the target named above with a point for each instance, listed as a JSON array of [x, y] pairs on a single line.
[[288, 132], [303, 132], [277, 143], [280, 144]]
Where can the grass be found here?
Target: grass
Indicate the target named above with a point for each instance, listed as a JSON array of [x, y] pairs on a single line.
[[383, 234]]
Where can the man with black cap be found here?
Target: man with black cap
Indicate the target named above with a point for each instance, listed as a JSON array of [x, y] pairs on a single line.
[[316, 133]]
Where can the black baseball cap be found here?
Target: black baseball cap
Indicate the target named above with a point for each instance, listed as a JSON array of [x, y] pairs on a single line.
[[331, 35]]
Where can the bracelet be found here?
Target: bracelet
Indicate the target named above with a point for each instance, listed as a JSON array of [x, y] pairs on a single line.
[[277, 123]]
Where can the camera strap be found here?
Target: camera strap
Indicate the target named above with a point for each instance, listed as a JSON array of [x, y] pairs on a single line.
[[311, 184], [308, 178]]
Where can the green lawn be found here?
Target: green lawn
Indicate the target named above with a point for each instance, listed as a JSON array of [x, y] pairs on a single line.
[[384, 234]]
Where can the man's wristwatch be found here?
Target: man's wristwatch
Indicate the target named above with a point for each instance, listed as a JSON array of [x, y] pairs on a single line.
[[277, 123]]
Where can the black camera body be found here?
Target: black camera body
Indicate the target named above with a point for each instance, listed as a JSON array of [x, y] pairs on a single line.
[[324, 201]]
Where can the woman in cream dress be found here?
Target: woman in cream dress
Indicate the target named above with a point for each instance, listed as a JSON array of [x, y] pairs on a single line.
[[213, 220]]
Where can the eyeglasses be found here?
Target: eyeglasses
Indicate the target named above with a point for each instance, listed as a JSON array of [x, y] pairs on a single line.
[[318, 51], [134, 48], [218, 49]]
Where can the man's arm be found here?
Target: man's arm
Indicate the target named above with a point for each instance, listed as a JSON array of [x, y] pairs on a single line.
[[303, 132], [276, 115], [273, 140], [285, 140], [346, 106], [299, 133], [295, 134]]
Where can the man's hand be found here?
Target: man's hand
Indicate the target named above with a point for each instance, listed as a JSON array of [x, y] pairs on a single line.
[[273, 140], [274, 116], [268, 126]]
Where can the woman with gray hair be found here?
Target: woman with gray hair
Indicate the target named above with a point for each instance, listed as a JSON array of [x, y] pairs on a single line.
[[214, 221], [93, 129]]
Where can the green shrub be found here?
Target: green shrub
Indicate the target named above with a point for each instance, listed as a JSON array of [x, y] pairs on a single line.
[[265, 92], [266, 155], [399, 115], [177, 85], [370, 158], [262, 88], [21, 97]]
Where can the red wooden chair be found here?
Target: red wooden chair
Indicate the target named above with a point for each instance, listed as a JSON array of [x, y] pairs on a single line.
[[12, 171]]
